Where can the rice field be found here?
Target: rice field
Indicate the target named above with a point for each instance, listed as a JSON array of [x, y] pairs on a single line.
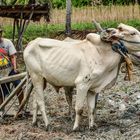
[[100, 13]]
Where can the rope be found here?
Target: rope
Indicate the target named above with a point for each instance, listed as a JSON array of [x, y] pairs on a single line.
[[129, 67], [121, 49], [130, 41]]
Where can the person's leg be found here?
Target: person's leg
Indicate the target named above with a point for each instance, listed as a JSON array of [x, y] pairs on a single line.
[[15, 83], [4, 91], [1, 101], [1, 98], [20, 94]]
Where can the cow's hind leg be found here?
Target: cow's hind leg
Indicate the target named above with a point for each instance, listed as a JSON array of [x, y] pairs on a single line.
[[80, 100], [38, 83], [35, 110], [92, 101], [68, 94]]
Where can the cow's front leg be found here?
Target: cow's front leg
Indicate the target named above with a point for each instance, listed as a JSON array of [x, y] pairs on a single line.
[[92, 101], [39, 99], [80, 99]]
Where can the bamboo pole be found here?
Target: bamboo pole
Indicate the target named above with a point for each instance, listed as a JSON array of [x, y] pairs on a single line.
[[12, 78]]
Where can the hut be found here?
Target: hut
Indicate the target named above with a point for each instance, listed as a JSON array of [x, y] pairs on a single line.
[[23, 12]]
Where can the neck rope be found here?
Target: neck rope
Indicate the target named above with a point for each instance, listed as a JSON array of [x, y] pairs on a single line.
[[135, 42], [120, 48]]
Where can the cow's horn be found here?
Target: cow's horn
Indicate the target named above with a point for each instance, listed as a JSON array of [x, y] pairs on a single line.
[[97, 26]]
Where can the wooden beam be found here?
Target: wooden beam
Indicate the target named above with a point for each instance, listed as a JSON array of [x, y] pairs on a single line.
[[24, 12], [12, 78]]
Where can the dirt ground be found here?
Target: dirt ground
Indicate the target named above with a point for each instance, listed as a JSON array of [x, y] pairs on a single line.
[[117, 117]]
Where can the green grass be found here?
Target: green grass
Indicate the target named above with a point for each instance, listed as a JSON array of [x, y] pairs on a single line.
[[48, 30]]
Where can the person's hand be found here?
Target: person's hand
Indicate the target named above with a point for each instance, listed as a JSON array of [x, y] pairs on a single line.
[[16, 71]]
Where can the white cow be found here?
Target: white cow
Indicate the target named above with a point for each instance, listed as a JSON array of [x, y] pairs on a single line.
[[90, 65], [132, 39]]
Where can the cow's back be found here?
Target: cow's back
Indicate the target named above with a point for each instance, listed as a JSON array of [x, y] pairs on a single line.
[[54, 60]]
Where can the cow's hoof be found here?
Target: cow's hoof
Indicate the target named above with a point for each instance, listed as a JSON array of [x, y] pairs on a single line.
[[80, 129], [126, 78], [1, 120], [35, 124], [76, 129], [93, 127], [47, 128], [72, 116]]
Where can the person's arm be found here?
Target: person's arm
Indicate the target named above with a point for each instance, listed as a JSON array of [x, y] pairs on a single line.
[[14, 62], [12, 53]]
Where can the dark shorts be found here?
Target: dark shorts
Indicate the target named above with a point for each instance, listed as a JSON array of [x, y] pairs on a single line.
[[6, 87]]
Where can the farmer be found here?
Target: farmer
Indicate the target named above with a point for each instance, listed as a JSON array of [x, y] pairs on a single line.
[[7, 67]]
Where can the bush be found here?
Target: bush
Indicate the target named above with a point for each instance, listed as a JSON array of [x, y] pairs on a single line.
[[80, 3], [118, 2], [58, 4], [76, 3]]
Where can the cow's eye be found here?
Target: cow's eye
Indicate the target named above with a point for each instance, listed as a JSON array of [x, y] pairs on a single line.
[[134, 33], [113, 32]]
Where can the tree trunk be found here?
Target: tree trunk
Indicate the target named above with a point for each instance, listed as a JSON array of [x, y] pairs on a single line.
[[136, 1], [68, 17]]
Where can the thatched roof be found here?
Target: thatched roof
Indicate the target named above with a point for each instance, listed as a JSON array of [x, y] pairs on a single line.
[[18, 11]]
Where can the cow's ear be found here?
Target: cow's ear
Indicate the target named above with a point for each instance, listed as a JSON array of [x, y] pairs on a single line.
[[120, 26]]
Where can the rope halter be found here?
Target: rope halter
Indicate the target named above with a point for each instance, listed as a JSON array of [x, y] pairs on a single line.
[[122, 50]]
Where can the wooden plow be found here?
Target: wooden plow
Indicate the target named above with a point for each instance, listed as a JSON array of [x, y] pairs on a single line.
[[25, 85]]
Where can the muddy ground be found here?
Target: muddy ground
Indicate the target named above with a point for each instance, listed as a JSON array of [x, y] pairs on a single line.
[[117, 117]]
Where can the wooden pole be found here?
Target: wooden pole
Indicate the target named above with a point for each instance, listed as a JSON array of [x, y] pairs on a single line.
[[68, 17], [20, 31], [14, 25], [25, 99], [23, 28], [19, 43]]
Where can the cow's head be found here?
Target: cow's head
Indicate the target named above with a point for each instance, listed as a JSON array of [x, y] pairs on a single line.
[[125, 33], [130, 37], [110, 34]]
